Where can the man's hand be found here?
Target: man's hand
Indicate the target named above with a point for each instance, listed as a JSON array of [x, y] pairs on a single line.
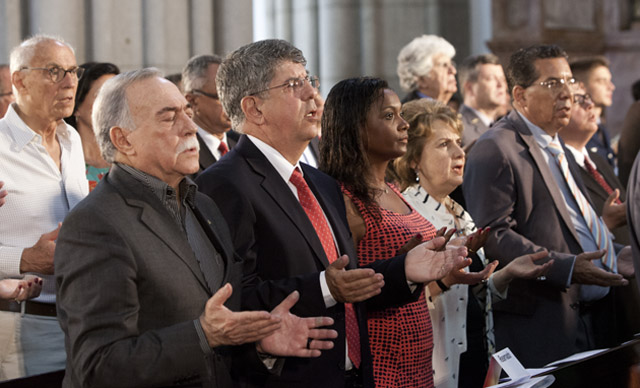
[[354, 285], [585, 272], [614, 215], [523, 267], [225, 327], [20, 289], [3, 193], [39, 258], [426, 262], [625, 262], [297, 337]]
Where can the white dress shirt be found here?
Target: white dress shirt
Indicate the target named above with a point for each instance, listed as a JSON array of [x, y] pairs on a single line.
[[40, 194], [213, 142]]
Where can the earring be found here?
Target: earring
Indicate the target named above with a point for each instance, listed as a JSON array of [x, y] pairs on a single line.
[[417, 175]]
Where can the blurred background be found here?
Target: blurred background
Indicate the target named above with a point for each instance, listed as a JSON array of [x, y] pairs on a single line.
[[340, 38]]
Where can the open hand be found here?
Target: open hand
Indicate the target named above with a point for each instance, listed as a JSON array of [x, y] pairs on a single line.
[[460, 276], [585, 272], [225, 327], [426, 262], [297, 337], [354, 285], [625, 262]]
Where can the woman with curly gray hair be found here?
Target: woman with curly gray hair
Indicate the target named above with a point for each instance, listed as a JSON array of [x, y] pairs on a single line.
[[426, 69]]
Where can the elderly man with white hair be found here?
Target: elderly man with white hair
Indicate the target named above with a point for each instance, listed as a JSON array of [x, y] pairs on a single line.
[[426, 69], [43, 171]]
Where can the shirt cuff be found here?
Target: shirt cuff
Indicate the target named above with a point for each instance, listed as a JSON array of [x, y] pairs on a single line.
[[492, 288], [10, 261], [571, 273], [326, 294], [204, 344]]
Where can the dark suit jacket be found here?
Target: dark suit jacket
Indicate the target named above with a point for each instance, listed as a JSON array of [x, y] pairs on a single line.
[[129, 288], [271, 231], [508, 186], [206, 157], [473, 126], [633, 214], [600, 143]]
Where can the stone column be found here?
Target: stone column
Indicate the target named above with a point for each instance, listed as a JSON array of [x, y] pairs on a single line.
[[304, 28], [480, 31], [201, 28], [11, 12], [232, 21], [59, 17]]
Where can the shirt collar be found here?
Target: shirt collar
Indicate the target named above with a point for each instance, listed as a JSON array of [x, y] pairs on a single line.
[[24, 135], [483, 117], [161, 189], [210, 140], [580, 155], [422, 95], [541, 137], [279, 162]]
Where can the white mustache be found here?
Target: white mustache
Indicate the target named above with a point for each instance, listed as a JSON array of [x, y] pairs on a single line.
[[191, 142]]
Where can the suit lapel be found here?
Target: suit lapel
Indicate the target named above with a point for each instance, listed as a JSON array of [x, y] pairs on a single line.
[[206, 158], [225, 251], [273, 184], [543, 168], [156, 218]]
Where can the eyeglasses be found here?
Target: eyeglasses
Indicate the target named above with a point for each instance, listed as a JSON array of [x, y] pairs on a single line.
[[582, 99], [296, 84], [6, 94], [210, 95], [57, 74], [556, 84]]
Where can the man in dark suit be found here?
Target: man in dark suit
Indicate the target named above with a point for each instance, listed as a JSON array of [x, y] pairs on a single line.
[[259, 191], [145, 267], [517, 183], [618, 314], [595, 74], [199, 85], [484, 88]]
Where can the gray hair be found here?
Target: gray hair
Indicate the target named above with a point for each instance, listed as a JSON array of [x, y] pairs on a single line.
[[22, 54], [111, 108], [250, 69], [194, 74], [416, 58]]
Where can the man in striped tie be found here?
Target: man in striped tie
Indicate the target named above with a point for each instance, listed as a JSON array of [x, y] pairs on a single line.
[[521, 182]]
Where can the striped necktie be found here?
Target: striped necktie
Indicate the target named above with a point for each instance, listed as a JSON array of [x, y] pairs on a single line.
[[598, 229]]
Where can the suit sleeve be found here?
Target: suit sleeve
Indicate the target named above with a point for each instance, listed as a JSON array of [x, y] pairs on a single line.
[[491, 193], [100, 322]]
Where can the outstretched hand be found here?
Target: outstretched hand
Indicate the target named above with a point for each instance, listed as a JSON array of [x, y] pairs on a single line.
[[625, 262], [354, 285], [225, 327], [585, 272], [427, 262], [297, 337], [460, 276], [39, 258]]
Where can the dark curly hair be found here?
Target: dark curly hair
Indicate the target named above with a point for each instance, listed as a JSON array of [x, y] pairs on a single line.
[[343, 146], [92, 71]]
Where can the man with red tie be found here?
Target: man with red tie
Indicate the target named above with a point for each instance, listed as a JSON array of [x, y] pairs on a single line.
[[288, 220], [621, 308], [199, 83]]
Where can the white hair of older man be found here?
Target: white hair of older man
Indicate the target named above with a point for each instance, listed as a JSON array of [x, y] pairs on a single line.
[[111, 107], [22, 54], [416, 58]]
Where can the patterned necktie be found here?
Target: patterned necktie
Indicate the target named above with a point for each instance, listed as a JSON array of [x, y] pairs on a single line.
[[599, 178], [597, 227], [223, 148], [316, 216]]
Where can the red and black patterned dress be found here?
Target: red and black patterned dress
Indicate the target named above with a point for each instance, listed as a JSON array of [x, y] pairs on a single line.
[[401, 338]]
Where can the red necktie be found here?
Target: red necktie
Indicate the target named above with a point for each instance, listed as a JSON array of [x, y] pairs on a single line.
[[599, 178], [223, 148], [316, 216]]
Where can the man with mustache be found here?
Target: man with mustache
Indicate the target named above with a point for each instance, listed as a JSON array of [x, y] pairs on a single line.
[[42, 167], [522, 182], [148, 282]]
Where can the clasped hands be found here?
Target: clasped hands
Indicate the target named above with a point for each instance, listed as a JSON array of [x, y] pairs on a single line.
[[278, 332]]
